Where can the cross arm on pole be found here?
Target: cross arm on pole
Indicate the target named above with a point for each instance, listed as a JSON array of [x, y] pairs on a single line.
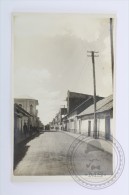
[[92, 51], [91, 55], [97, 56]]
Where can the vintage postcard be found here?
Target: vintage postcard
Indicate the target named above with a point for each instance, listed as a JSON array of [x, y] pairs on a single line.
[[63, 67]]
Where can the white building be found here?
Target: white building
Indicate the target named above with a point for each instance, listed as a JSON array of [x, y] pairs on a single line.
[[104, 114]]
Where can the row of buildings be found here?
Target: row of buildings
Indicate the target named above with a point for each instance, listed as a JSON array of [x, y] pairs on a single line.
[[26, 120], [78, 117]]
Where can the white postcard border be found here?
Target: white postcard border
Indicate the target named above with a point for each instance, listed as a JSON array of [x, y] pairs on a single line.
[[58, 185]]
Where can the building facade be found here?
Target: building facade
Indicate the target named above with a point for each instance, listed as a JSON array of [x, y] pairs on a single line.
[[30, 106], [104, 114], [57, 121], [26, 120], [21, 117], [76, 103]]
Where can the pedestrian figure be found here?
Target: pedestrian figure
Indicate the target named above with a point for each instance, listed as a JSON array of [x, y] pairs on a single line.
[[30, 130], [25, 129]]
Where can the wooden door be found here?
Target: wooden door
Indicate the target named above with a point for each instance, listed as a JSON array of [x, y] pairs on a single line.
[[107, 127]]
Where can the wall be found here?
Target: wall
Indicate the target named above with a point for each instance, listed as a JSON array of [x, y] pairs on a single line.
[[112, 126], [82, 125], [101, 125], [26, 103], [18, 128]]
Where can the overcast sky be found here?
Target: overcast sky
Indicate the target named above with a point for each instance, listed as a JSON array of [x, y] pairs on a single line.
[[50, 58]]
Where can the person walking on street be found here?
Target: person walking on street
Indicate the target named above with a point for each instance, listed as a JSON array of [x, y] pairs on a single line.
[[25, 129]]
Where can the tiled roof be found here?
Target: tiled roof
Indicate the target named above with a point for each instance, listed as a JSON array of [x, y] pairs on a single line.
[[101, 106], [78, 95]]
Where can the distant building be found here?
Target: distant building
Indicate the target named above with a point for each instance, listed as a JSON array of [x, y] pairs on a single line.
[[47, 127], [74, 99], [76, 102], [39, 124], [30, 106], [57, 121], [52, 124]]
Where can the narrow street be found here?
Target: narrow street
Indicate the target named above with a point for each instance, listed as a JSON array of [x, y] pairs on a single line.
[[47, 155]]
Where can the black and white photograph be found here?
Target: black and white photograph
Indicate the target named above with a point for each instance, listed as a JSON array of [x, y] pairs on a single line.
[[63, 88]]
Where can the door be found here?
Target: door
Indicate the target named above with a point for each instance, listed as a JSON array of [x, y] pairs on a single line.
[[80, 126], [89, 128], [107, 127]]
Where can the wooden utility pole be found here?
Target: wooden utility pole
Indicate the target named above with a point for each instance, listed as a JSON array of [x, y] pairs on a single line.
[[94, 85], [112, 49]]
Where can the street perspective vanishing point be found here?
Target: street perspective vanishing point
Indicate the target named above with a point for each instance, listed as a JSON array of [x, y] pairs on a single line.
[[63, 75]]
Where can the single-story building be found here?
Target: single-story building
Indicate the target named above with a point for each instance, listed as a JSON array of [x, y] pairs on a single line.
[[104, 114], [76, 103]]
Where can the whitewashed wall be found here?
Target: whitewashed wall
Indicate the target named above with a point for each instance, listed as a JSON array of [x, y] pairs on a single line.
[[100, 125], [84, 125], [112, 127]]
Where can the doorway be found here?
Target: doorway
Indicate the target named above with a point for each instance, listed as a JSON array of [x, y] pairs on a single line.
[[89, 128], [107, 127]]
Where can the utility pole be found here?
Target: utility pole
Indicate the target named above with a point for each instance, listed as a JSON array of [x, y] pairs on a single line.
[[112, 49], [94, 85]]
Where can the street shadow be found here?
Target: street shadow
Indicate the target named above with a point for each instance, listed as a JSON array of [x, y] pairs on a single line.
[[51, 131], [20, 149]]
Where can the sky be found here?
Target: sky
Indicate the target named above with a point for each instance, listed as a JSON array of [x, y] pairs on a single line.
[[50, 58]]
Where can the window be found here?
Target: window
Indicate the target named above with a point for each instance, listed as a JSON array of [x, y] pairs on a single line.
[[31, 109]]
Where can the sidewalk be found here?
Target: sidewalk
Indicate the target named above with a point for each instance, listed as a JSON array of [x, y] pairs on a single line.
[[21, 137], [21, 147], [104, 145]]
